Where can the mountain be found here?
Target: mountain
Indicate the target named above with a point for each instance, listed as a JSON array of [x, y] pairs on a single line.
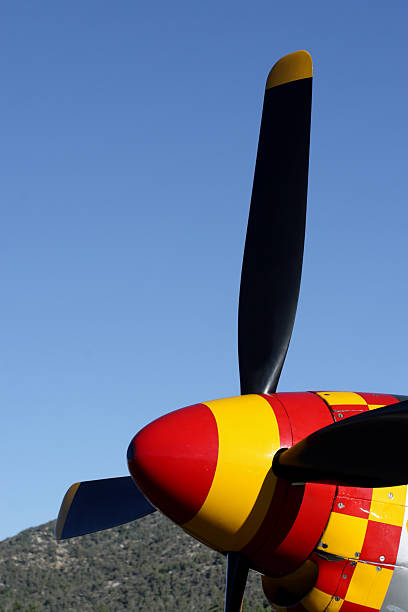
[[148, 565]]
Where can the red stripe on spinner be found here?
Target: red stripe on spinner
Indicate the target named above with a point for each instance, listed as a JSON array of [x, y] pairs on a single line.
[[307, 413], [277, 521], [174, 461], [297, 515], [305, 532], [285, 430]]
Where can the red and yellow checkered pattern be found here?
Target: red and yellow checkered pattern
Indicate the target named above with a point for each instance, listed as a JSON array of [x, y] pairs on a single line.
[[364, 529]]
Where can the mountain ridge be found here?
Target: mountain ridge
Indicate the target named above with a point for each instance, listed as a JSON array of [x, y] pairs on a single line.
[[148, 565]]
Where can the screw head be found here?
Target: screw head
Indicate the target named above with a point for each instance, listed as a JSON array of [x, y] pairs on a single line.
[[340, 415], [382, 558], [378, 568], [340, 505], [357, 554], [390, 495], [344, 576]]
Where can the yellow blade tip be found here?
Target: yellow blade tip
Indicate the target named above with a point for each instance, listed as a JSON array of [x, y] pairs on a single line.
[[65, 507], [292, 67]]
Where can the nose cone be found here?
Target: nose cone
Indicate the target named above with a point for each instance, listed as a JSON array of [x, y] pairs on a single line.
[[173, 461]]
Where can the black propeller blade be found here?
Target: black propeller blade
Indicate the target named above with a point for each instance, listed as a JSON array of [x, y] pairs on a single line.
[[366, 450], [94, 505], [273, 255], [237, 574]]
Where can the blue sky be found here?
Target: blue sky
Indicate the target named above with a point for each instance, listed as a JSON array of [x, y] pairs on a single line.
[[128, 143]]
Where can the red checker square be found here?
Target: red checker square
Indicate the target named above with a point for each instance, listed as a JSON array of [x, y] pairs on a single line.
[[348, 606], [381, 540], [345, 579], [352, 507], [378, 399], [355, 492]]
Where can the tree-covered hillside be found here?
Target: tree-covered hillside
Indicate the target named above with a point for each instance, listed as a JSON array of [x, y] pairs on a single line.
[[149, 565]]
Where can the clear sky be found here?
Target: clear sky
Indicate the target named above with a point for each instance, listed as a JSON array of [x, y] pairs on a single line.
[[128, 142]]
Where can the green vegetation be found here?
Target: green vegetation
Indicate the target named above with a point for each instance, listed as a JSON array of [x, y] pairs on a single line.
[[149, 565]]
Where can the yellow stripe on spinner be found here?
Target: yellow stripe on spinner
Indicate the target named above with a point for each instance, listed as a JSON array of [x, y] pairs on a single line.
[[316, 600], [243, 484], [292, 67]]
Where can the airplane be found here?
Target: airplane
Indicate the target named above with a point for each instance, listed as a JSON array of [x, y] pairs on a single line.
[[308, 489]]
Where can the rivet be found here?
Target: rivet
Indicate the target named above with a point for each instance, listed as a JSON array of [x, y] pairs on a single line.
[[340, 415], [337, 598], [390, 495], [340, 505], [357, 555], [325, 545], [382, 558], [378, 568], [344, 576], [353, 563]]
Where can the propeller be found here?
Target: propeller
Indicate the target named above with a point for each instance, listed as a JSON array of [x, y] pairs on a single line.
[[273, 254], [94, 505], [237, 573], [270, 282], [365, 450]]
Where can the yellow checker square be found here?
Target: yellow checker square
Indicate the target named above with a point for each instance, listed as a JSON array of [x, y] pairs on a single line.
[[316, 600], [387, 513], [344, 535], [342, 398], [391, 495], [375, 406], [368, 586]]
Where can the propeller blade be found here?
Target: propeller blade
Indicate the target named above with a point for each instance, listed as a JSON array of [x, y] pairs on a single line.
[[237, 574], [365, 450], [273, 255], [94, 505]]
